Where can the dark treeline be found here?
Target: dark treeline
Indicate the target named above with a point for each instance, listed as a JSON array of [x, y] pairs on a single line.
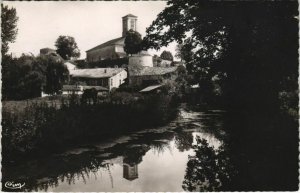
[[246, 53], [25, 77]]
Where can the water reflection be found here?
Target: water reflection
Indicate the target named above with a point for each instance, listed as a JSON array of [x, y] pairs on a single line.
[[132, 157], [149, 160], [209, 169]]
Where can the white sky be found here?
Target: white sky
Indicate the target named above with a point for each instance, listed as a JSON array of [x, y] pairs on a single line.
[[90, 23]]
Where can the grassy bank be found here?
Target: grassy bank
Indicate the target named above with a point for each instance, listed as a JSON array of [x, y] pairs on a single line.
[[44, 127]]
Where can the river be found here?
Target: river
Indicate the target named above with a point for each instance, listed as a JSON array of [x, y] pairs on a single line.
[[188, 154]]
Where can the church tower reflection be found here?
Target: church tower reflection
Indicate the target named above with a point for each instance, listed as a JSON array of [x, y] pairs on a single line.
[[130, 171], [132, 157]]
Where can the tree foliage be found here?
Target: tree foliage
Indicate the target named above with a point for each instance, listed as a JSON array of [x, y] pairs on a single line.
[[25, 77], [22, 78], [56, 74], [9, 29], [166, 55], [251, 46], [184, 51], [67, 47], [133, 42]]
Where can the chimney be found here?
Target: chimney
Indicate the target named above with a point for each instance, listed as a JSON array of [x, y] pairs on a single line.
[[105, 71]]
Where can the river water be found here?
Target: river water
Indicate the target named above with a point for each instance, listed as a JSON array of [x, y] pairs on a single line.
[[188, 154]]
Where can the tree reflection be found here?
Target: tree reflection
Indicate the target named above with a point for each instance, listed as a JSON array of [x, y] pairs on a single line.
[[184, 141], [208, 170]]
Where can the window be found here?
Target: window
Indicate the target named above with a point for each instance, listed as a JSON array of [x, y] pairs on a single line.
[[132, 24], [111, 82]]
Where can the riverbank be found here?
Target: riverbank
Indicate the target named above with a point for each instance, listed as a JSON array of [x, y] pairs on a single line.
[[43, 128]]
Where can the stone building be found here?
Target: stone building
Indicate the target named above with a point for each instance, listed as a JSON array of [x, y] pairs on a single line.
[[106, 77], [113, 49], [147, 76]]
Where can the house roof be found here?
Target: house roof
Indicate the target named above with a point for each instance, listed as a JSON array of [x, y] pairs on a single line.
[[129, 15], [96, 72], [117, 41], [150, 71], [70, 66], [150, 88]]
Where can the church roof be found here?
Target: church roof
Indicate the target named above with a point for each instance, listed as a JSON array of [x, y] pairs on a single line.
[[96, 72], [150, 71], [117, 41], [129, 15]]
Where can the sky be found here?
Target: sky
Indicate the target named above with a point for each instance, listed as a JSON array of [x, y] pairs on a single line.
[[90, 23]]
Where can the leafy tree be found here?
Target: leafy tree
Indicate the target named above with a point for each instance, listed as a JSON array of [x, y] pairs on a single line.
[[67, 47], [9, 29], [56, 74], [184, 51], [133, 42], [22, 78], [245, 42], [166, 55]]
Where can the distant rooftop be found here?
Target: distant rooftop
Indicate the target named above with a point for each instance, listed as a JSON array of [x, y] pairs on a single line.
[[96, 72]]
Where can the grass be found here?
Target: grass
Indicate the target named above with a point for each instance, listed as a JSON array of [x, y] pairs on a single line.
[[50, 124]]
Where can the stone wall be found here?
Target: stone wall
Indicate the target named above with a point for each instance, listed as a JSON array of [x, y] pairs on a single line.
[[144, 60]]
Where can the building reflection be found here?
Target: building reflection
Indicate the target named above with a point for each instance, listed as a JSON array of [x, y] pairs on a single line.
[[132, 157], [130, 171]]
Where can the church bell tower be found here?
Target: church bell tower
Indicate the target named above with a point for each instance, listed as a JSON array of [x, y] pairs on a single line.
[[129, 22]]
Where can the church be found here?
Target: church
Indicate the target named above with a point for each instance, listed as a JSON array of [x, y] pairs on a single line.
[[113, 49]]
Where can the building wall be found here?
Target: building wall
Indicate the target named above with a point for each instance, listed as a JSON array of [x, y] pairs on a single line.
[[119, 48], [117, 80], [165, 63], [144, 60]]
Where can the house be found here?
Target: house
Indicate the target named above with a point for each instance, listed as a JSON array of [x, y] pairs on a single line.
[[113, 49], [105, 77], [79, 89], [147, 76]]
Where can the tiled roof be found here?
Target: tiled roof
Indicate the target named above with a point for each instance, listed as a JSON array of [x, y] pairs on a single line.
[[129, 15], [96, 72], [117, 41], [150, 88], [148, 71]]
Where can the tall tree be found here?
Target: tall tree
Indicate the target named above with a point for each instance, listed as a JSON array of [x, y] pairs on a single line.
[[56, 74], [67, 47], [166, 55], [245, 42], [133, 42], [9, 29]]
